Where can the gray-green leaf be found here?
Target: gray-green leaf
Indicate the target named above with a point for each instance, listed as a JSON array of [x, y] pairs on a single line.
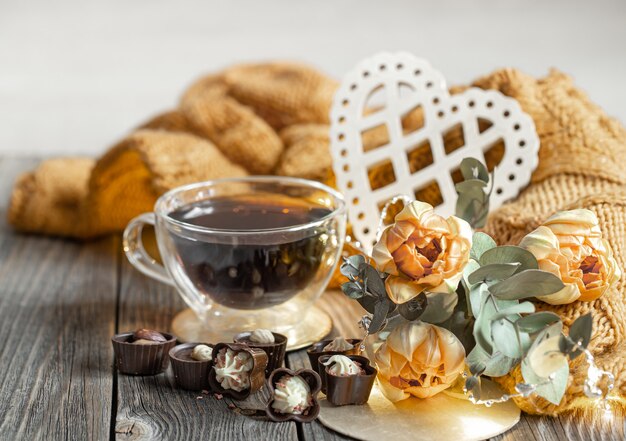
[[477, 297], [552, 391], [528, 283], [474, 186], [472, 383], [482, 325], [536, 322], [350, 266], [481, 242], [505, 339], [414, 308], [373, 283], [494, 271], [352, 290], [581, 331], [510, 254], [368, 302], [472, 168], [493, 365], [520, 308], [381, 309]]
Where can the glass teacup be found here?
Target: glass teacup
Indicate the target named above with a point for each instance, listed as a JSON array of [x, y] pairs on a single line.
[[244, 253]]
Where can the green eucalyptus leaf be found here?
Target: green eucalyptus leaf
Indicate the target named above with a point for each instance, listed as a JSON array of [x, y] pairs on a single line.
[[439, 307], [519, 308], [505, 339], [471, 266], [393, 321], [554, 390], [580, 331], [499, 365], [472, 383], [481, 242], [462, 327], [481, 220], [414, 308], [528, 283], [350, 266], [477, 297], [368, 302], [549, 332], [494, 271], [473, 208], [566, 345], [474, 186], [472, 168], [494, 365], [510, 254], [482, 325], [477, 361], [352, 290], [381, 309], [536, 322], [373, 282]]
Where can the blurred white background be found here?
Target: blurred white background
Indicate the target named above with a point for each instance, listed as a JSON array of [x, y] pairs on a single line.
[[75, 75]]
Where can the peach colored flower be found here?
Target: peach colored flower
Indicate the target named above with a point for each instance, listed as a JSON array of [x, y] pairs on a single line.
[[418, 359], [423, 251], [570, 245]]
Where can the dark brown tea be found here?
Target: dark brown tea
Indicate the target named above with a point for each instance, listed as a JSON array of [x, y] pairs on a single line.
[[260, 269]]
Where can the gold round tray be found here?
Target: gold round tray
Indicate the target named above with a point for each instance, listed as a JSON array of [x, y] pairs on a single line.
[[439, 418], [314, 327]]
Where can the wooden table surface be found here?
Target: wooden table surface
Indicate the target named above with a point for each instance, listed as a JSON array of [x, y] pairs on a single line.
[[60, 303]]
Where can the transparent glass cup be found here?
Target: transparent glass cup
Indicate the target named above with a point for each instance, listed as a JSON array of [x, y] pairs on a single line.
[[212, 268]]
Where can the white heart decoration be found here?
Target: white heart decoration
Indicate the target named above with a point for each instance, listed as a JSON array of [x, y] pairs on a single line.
[[396, 74]]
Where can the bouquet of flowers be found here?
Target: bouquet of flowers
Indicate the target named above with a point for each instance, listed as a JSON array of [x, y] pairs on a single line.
[[450, 303]]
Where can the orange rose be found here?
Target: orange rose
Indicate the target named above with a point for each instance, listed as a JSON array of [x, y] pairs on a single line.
[[421, 252], [570, 246], [418, 359]]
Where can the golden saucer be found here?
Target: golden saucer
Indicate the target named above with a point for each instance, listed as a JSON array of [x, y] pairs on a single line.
[[316, 325], [439, 418]]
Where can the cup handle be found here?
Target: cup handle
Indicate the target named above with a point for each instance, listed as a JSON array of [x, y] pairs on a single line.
[[136, 253]]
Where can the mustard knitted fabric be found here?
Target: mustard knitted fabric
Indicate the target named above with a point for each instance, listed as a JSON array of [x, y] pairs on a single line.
[[581, 165], [228, 124]]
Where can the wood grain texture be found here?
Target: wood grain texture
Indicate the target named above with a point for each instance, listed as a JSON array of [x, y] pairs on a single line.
[[57, 307], [152, 407]]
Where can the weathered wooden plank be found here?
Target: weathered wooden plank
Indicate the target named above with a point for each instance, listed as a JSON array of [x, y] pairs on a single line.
[[152, 407], [57, 309]]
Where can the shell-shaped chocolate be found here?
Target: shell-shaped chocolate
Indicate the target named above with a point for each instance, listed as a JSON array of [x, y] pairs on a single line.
[[312, 379], [257, 374], [275, 351]]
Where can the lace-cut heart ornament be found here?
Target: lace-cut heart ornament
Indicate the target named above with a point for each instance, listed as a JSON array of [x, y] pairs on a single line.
[[395, 130]]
